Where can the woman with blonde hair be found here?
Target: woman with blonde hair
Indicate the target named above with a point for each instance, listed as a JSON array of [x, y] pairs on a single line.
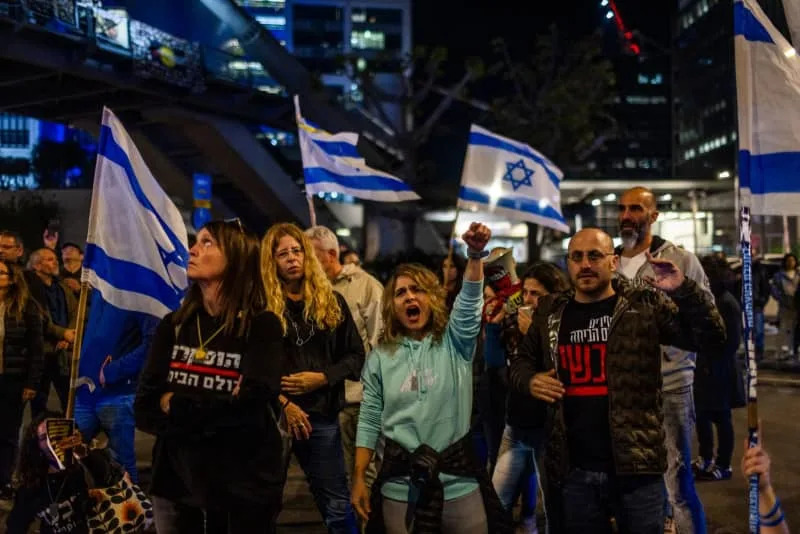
[[323, 347], [418, 394], [21, 361]]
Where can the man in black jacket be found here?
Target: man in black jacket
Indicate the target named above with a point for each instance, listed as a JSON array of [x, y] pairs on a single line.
[[594, 355]]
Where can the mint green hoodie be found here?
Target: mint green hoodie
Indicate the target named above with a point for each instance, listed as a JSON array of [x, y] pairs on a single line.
[[438, 411]]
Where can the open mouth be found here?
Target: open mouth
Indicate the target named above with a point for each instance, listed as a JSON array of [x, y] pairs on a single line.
[[413, 313]]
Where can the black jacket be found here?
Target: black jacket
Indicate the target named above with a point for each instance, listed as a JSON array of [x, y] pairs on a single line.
[[643, 320], [716, 374], [23, 352], [338, 353]]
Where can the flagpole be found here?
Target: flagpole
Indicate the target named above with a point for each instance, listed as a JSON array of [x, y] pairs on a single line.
[[749, 351], [312, 213], [76, 348], [453, 234]]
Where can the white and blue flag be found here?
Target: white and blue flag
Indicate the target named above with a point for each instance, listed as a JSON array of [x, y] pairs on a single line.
[[768, 91], [135, 260], [510, 178], [332, 164]]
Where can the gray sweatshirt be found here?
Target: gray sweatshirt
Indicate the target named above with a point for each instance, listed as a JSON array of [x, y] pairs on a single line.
[[677, 366]]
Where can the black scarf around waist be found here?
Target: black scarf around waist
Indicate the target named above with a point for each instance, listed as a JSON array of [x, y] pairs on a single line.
[[423, 467]]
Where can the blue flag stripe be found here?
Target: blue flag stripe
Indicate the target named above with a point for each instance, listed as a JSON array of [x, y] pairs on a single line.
[[744, 23], [363, 182], [476, 138], [109, 149], [338, 148], [129, 276], [470, 194], [770, 173]]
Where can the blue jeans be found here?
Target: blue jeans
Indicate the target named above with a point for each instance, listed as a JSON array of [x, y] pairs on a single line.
[[516, 469], [679, 420], [591, 499], [758, 330], [322, 460], [114, 416]]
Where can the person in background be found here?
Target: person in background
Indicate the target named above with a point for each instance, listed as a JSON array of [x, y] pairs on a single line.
[[59, 498], [637, 212], [209, 392], [492, 387], [756, 461], [351, 258], [417, 394], [761, 294], [452, 277], [784, 287], [521, 448], [72, 262], [21, 360], [13, 249], [323, 348], [715, 379], [59, 333], [364, 296]]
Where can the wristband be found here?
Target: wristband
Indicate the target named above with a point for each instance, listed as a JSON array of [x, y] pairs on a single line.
[[774, 522], [773, 511], [477, 254], [285, 404]]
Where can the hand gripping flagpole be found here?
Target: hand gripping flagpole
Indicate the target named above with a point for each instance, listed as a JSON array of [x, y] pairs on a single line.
[[747, 322]]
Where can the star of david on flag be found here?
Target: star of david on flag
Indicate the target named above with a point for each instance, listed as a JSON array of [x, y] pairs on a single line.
[[510, 178], [525, 171]]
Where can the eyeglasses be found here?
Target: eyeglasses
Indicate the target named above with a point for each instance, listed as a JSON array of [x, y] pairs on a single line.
[[595, 256], [285, 253], [236, 220]]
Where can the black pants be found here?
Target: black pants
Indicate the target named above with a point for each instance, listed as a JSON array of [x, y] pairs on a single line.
[[51, 374], [491, 399], [705, 436], [11, 408], [240, 518]]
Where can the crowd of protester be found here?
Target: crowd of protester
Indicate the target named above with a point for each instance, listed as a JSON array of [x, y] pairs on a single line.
[[434, 402]]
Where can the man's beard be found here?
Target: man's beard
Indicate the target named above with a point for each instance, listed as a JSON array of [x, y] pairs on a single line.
[[632, 235], [630, 238]]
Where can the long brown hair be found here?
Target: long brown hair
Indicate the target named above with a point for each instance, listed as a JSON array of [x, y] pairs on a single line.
[[321, 304], [241, 292], [17, 294], [426, 281]]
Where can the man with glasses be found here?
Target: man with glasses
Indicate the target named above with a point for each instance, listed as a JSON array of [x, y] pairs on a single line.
[[594, 355], [637, 213]]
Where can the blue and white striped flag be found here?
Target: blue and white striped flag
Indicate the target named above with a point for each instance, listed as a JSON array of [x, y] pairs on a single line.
[[512, 179], [768, 91], [136, 254], [332, 164]]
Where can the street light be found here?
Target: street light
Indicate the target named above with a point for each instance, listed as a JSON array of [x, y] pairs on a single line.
[[610, 15], [724, 174], [604, 3], [596, 202]]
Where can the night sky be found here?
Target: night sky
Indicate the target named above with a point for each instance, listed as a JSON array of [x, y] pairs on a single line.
[[467, 27]]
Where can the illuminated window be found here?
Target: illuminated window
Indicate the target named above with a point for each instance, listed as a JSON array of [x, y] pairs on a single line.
[[367, 40]]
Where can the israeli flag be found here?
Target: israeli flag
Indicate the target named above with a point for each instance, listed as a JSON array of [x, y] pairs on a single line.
[[512, 179], [768, 91], [135, 261], [332, 164]]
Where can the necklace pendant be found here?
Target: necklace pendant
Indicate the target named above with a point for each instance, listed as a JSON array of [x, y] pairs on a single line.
[[200, 354]]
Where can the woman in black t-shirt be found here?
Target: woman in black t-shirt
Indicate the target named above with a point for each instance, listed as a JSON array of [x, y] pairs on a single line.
[[209, 392]]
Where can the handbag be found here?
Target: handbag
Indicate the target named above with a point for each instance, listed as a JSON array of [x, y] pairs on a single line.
[[117, 504]]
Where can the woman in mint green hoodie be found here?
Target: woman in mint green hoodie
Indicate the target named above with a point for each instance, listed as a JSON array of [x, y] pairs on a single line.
[[418, 394]]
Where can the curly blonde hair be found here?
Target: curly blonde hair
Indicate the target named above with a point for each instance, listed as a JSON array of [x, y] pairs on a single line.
[[321, 304], [426, 281]]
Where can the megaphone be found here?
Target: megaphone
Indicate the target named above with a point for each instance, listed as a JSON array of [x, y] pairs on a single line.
[[501, 276]]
